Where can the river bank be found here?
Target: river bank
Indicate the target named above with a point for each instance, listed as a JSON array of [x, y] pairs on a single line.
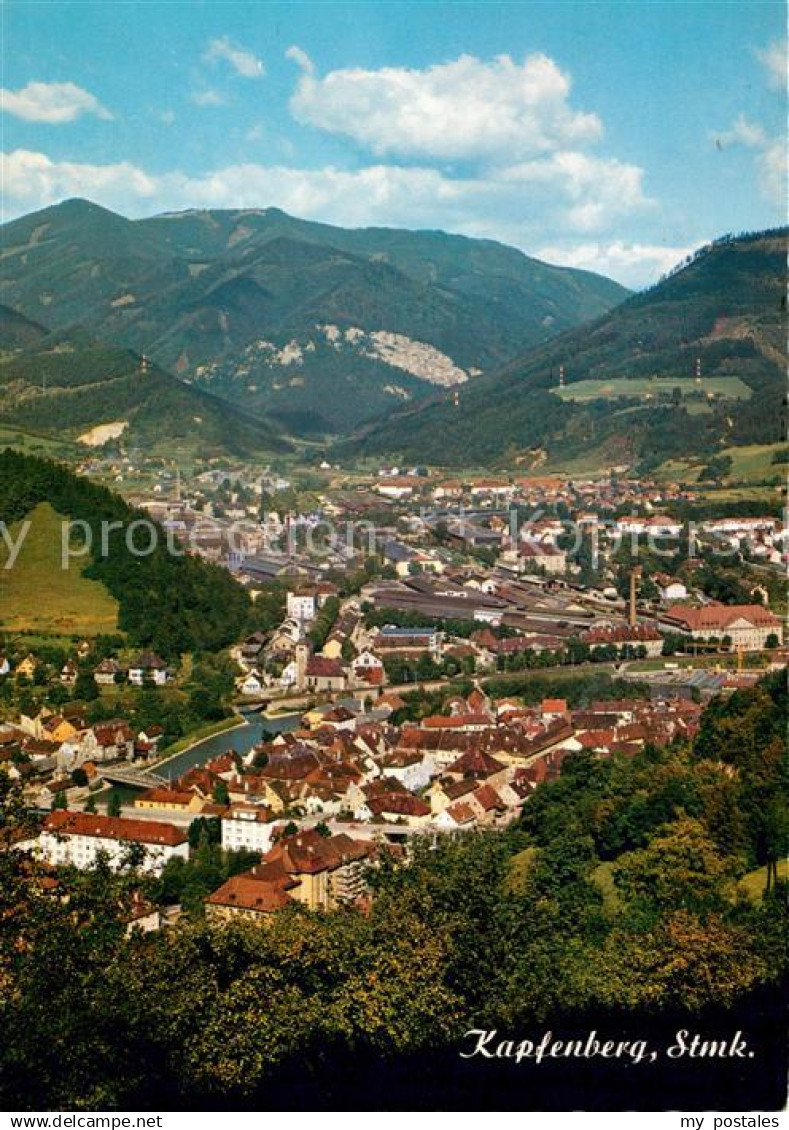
[[239, 738]]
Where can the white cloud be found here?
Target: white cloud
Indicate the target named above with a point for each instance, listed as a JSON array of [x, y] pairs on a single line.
[[301, 58], [631, 263], [772, 172], [770, 151], [502, 132], [491, 148], [32, 179], [243, 62], [52, 102], [208, 98], [564, 194], [594, 191], [467, 109], [774, 60], [771, 156], [742, 132]]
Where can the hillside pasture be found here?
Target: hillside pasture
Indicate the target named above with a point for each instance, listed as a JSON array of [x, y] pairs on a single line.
[[644, 388], [750, 463], [37, 595]]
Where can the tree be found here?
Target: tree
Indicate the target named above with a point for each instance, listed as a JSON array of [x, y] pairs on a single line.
[[85, 688], [60, 800], [717, 469], [79, 777], [58, 695], [90, 804], [114, 804], [682, 960], [205, 830], [134, 855], [220, 793], [206, 704], [776, 836], [680, 868]]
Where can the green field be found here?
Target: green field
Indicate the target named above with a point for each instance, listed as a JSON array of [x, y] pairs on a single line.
[[34, 443], [755, 882], [641, 388], [37, 595], [751, 463], [594, 461]]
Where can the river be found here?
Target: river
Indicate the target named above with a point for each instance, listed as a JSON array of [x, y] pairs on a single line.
[[241, 739]]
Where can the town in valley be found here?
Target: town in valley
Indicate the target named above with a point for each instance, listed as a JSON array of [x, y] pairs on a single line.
[[406, 681]]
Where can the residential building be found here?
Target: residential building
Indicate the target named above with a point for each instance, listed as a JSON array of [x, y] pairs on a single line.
[[247, 826], [148, 665], [78, 838], [169, 800], [535, 555]]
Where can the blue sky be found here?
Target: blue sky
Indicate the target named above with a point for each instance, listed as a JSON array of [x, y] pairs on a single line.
[[614, 136]]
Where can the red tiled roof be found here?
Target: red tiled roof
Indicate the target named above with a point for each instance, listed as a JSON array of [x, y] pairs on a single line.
[[64, 823], [109, 733], [718, 617], [319, 666], [461, 812], [309, 853], [511, 644], [391, 699], [245, 893], [596, 739], [401, 804], [455, 789], [554, 706], [488, 798], [624, 633], [476, 763], [454, 721]]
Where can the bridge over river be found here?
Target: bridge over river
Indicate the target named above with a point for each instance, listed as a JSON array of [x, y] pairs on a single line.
[[132, 778]]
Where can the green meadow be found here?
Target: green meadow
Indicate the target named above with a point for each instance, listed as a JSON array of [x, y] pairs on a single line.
[[37, 595], [640, 388]]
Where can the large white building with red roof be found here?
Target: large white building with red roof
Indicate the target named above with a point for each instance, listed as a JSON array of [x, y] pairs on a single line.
[[747, 625], [79, 838]]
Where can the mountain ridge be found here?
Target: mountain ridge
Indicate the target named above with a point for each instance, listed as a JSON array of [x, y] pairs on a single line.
[[197, 289]]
